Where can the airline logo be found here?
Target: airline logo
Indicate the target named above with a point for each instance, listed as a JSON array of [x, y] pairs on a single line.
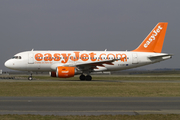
[[77, 56], [64, 71], [153, 36]]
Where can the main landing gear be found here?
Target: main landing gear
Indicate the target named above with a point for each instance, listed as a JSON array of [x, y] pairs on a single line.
[[87, 77]]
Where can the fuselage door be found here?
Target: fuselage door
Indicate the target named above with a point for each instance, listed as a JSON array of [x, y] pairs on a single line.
[[30, 58], [134, 58]]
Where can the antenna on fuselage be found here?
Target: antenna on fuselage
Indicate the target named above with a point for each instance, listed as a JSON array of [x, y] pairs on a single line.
[[32, 49], [105, 50]]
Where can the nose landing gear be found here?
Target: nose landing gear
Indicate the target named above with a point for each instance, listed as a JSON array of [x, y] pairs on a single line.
[[30, 77]]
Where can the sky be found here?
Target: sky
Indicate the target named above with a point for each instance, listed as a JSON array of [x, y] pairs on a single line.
[[115, 25]]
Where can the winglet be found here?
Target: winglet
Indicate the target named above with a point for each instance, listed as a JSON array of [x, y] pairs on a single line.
[[154, 41]]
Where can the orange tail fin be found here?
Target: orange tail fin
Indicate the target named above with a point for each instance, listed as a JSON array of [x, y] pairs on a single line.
[[154, 41]]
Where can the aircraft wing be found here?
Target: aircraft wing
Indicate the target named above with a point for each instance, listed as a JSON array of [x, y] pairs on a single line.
[[86, 65], [94, 64], [98, 62]]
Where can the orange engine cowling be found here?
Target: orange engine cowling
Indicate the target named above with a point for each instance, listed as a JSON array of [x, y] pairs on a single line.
[[65, 72]]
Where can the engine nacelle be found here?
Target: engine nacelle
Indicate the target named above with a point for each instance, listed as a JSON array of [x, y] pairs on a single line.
[[52, 74], [63, 72]]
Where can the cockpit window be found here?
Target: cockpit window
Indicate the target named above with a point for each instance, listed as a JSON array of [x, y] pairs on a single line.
[[16, 57]]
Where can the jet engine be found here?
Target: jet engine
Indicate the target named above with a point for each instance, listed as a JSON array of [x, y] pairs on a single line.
[[63, 72]]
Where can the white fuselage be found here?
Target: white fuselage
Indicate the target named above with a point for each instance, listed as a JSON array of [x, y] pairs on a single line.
[[49, 60]]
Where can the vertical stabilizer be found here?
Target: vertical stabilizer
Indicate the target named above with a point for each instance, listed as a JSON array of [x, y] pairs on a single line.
[[154, 41]]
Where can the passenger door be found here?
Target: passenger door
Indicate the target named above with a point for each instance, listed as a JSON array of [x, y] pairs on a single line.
[[30, 58], [134, 58]]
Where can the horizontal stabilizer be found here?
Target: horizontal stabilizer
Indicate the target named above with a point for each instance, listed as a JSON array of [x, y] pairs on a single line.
[[165, 56]]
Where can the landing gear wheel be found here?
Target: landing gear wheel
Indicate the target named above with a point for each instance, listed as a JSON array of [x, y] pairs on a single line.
[[30, 78], [82, 77], [88, 78]]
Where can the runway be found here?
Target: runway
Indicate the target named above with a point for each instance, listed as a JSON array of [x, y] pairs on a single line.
[[89, 105]]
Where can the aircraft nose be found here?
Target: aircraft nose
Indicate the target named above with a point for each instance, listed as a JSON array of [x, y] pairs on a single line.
[[8, 64]]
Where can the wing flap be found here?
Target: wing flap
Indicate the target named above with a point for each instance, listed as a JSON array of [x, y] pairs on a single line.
[[98, 63]]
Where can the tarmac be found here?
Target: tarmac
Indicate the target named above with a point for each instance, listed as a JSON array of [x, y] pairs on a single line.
[[89, 105]]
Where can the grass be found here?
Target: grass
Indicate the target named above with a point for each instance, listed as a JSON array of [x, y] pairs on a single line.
[[144, 77], [101, 117], [89, 89]]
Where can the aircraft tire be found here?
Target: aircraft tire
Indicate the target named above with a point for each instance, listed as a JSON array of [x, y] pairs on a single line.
[[82, 77], [30, 78], [88, 78]]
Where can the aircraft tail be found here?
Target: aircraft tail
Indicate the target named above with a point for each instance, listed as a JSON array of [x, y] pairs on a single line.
[[154, 41]]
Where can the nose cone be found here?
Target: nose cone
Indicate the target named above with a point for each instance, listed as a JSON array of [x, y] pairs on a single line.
[[8, 64]]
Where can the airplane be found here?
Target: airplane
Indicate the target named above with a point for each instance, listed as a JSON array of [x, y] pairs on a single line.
[[65, 64]]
